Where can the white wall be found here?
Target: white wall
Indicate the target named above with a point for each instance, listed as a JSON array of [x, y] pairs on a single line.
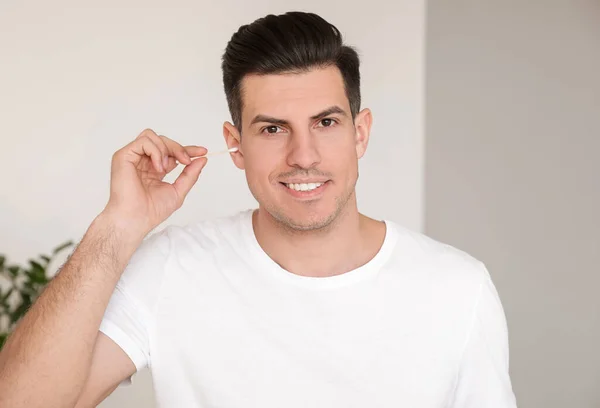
[[512, 166], [78, 81]]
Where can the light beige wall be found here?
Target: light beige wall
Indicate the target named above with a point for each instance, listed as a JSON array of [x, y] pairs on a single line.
[[78, 81], [512, 176]]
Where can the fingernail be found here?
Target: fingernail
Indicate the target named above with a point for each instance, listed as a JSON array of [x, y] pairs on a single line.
[[165, 162]]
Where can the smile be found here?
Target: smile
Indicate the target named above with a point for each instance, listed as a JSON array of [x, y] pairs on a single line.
[[306, 191], [303, 186]]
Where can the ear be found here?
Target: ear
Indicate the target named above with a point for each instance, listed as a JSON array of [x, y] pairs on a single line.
[[362, 125], [233, 139]]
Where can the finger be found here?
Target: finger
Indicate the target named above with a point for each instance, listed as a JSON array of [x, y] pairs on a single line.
[[164, 150], [149, 133], [144, 133], [196, 151], [188, 177], [176, 150], [154, 137], [171, 165], [144, 146]]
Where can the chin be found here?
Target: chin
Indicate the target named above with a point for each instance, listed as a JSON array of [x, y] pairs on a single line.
[[307, 215], [306, 224], [304, 219]]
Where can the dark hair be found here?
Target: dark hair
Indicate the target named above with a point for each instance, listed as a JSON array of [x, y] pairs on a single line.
[[293, 42]]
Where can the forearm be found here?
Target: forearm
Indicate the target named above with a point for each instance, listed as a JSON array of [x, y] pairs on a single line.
[[46, 360]]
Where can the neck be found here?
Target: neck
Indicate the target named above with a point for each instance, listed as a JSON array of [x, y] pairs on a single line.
[[348, 242]]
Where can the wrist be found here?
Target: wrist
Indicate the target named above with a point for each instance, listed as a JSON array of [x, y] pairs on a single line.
[[124, 229]]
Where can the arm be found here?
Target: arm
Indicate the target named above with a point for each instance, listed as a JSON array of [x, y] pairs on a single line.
[[57, 356], [483, 379], [110, 367], [46, 361]]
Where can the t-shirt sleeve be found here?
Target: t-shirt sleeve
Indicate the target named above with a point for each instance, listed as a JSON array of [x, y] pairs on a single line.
[[483, 378], [129, 317]]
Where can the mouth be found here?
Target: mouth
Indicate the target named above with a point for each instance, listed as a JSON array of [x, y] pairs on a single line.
[[306, 190]]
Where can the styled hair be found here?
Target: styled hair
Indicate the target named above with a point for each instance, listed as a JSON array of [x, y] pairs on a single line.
[[294, 42]]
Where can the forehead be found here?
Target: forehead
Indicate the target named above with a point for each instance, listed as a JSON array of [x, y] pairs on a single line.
[[293, 94]]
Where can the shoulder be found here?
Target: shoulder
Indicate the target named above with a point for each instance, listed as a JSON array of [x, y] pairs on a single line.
[[160, 244], [165, 250], [453, 283], [445, 264], [206, 234]]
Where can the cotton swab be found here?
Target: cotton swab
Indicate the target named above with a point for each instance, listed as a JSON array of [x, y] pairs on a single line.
[[233, 149]]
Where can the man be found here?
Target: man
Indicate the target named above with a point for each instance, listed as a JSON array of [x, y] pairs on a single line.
[[303, 302]]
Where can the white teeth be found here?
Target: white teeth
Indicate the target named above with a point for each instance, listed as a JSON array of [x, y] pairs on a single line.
[[304, 186]]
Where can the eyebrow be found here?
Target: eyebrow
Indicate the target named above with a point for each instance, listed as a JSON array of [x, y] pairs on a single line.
[[329, 111]]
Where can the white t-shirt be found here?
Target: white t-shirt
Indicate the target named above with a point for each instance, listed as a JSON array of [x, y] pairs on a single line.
[[221, 325]]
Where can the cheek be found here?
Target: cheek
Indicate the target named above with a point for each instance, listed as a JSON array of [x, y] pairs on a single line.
[[343, 155], [259, 168], [345, 164], [341, 142]]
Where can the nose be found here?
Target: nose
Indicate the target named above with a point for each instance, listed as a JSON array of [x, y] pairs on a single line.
[[303, 150]]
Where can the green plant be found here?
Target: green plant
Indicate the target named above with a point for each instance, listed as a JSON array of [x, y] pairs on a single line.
[[25, 284]]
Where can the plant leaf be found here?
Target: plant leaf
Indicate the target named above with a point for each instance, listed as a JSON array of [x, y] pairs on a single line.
[[36, 276], [4, 298], [29, 288], [61, 247], [46, 258], [36, 266], [22, 309], [13, 270], [37, 272]]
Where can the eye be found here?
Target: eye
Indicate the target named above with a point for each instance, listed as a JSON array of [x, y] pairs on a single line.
[[270, 129], [327, 122]]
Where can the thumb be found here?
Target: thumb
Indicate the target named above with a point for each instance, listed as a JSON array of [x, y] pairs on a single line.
[[188, 177]]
